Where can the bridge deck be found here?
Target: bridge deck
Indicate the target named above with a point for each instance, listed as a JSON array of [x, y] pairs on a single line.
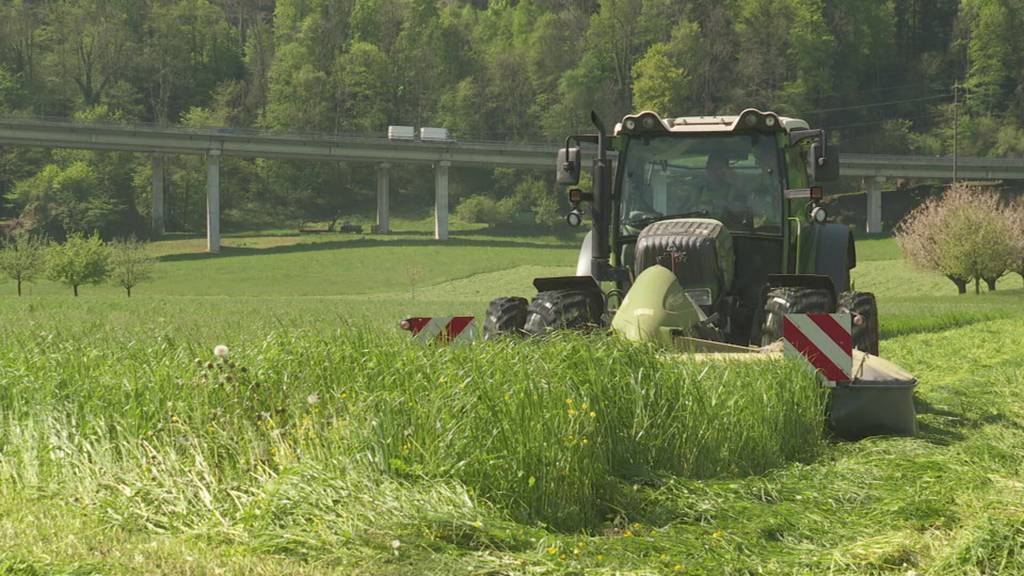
[[253, 143]]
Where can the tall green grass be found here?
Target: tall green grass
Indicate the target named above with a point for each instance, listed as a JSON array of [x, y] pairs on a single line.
[[157, 432]]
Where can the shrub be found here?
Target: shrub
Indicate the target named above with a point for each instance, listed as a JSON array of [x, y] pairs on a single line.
[[1016, 215], [22, 258], [131, 264], [541, 200], [965, 234], [483, 210], [79, 260]]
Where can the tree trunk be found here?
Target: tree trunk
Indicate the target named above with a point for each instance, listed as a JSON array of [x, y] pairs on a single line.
[[977, 286], [19, 286], [991, 284], [129, 289], [75, 288], [961, 285]]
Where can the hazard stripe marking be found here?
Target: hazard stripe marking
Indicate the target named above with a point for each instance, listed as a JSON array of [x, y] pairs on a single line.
[[835, 331], [441, 329], [837, 352], [823, 341]]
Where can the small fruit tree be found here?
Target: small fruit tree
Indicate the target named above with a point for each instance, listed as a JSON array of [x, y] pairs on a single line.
[[79, 260], [966, 234], [23, 258], [130, 264]]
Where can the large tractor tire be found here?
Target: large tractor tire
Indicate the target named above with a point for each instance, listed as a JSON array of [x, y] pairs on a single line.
[[506, 315], [864, 310], [563, 310], [792, 300]]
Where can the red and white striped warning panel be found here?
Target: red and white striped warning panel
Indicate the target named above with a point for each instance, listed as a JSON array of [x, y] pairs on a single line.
[[442, 329], [821, 340]]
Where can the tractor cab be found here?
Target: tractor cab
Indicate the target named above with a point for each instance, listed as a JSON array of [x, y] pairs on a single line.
[[722, 201]]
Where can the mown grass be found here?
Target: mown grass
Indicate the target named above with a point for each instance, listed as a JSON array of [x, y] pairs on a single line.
[[329, 265], [360, 453]]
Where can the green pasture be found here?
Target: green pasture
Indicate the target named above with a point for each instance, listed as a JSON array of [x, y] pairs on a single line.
[[328, 443]]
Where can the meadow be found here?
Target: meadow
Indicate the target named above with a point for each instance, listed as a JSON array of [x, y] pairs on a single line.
[[327, 443]]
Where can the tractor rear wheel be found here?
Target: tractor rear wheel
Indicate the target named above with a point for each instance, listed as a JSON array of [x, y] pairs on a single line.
[[792, 300], [864, 310], [563, 310], [506, 315]]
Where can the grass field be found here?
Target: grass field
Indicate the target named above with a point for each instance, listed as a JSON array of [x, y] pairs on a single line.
[[329, 444]]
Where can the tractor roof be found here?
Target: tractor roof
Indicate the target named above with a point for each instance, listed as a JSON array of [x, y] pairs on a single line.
[[697, 124]]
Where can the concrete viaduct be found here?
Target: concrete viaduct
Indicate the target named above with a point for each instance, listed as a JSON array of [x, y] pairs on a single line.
[[214, 144]]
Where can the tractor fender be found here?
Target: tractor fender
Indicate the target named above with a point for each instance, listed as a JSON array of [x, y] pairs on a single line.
[[585, 258], [834, 254]]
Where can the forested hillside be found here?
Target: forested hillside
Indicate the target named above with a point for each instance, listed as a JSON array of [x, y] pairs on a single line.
[[882, 73]]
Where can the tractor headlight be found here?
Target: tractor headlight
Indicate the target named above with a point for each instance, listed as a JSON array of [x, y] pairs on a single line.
[[819, 215], [700, 296], [753, 119], [648, 122], [630, 124], [574, 218]]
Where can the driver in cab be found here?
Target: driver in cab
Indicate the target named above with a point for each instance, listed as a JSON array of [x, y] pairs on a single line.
[[747, 201]]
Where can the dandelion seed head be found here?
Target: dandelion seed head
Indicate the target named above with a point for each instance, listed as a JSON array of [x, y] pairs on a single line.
[[396, 544], [221, 351], [312, 399]]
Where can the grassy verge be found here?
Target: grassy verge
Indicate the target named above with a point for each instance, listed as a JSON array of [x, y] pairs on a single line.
[[343, 449]]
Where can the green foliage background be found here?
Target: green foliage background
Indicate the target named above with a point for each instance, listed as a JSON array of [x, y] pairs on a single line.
[[878, 72]]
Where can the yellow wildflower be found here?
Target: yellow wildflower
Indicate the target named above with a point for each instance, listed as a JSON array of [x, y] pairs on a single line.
[[593, 414], [553, 550]]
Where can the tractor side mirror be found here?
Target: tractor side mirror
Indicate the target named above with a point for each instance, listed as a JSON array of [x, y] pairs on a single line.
[[823, 167], [569, 165]]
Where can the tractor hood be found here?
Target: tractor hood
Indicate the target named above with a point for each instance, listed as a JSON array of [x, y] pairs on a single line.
[[698, 251]]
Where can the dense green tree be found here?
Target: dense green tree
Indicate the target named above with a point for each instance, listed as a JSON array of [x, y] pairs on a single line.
[[664, 79]]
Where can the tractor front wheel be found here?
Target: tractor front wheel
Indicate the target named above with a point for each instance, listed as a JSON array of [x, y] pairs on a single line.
[[563, 310], [504, 316], [792, 300], [864, 311]]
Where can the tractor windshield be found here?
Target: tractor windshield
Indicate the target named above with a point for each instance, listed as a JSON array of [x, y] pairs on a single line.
[[734, 178]]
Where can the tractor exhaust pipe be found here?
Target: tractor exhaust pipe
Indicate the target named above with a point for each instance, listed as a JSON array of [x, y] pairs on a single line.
[[601, 207]]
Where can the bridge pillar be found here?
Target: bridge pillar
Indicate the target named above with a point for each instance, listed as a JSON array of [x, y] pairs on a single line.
[[874, 211], [383, 198], [157, 213], [213, 201], [441, 199]]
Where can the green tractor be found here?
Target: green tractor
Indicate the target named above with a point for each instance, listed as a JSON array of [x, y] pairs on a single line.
[[708, 237], [704, 227]]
